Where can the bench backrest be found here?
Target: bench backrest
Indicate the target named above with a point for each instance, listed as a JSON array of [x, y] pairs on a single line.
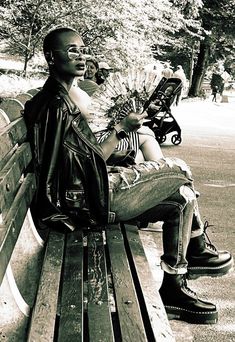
[[16, 189], [23, 97], [21, 247], [12, 107]]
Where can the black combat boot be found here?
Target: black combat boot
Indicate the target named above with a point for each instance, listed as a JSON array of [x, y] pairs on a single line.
[[183, 304], [205, 260]]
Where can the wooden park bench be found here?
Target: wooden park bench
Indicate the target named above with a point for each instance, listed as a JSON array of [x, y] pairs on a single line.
[[88, 285]]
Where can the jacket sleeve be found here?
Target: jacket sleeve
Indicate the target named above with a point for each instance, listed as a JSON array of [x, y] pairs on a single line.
[[48, 137]]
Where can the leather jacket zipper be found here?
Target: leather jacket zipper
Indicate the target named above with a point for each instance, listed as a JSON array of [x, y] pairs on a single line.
[[80, 152]]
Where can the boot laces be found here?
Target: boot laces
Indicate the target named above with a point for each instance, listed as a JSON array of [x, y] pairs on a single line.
[[208, 243], [188, 290]]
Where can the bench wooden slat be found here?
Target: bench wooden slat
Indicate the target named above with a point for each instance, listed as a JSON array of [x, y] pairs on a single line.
[[155, 315], [44, 314], [11, 175], [33, 91], [4, 120], [9, 136], [98, 299], [71, 306], [130, 319], [12, 107], [9, 231], [23, 97]]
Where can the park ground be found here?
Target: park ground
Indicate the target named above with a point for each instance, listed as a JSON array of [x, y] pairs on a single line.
[[208, 146]]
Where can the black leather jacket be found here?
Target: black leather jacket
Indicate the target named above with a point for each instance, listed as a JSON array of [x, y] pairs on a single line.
[[72, 180]]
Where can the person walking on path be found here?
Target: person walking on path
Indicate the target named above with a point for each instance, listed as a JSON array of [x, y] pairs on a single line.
[[179, 73], [75, 186], [167, 70], [214, 93]]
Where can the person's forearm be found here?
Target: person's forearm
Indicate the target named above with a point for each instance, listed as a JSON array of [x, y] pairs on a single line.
[[129, 124], [109, 144]]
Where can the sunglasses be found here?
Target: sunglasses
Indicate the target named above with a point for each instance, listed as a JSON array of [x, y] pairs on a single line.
[[75, 53]]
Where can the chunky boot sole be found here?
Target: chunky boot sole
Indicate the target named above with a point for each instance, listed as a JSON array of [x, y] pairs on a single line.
[[193, 317], [195, 272]]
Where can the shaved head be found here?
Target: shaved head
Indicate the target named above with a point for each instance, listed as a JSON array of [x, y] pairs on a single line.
[[52, 39]]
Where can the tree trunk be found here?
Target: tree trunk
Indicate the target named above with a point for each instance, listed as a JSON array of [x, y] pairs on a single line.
[[25, 65], [191, 66], [200, 68]]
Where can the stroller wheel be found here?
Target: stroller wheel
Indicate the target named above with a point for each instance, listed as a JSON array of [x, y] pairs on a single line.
[[176, 139], [160, 138]]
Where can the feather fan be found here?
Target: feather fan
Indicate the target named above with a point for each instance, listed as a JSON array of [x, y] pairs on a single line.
[[120, 94]]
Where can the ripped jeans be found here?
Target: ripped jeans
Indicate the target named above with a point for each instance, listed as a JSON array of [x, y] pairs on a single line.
[[159, 191]]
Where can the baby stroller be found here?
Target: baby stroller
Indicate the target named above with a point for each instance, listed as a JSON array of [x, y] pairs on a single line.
[[160, 119]]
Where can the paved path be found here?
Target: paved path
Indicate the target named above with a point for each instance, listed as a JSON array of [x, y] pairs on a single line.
[[208, 146]]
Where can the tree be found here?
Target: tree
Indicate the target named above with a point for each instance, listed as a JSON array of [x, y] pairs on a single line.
[[182, 44], [135, 26], [24, 23], [217, 18], [206, 36], [125, 31]]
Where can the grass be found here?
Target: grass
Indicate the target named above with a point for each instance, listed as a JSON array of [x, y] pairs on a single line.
[[11, 85], [11, 81]]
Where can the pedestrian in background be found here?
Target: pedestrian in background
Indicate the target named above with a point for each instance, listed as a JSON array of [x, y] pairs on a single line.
[[217, 81], [214, 93], [104, 71], [179, 73], [167, 70], [90, 83]]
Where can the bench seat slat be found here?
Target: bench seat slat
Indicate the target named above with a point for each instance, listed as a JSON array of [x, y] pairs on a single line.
[[98, 299], [10, 228], [130, 318], [44, 314], [9, 136], [159, 324], [71, 306]]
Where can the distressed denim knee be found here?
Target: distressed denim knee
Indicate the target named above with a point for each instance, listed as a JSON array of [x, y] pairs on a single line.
[[165, 186], [135, 189]]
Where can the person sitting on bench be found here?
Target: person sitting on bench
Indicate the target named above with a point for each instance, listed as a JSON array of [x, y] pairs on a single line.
[[75, 186]]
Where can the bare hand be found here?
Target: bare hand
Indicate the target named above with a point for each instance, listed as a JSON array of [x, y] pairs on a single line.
[[133, 121]]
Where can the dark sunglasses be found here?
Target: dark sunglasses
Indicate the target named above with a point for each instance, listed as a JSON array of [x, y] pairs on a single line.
[[74, 52]]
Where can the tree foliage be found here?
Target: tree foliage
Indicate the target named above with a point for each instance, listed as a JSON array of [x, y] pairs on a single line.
[[187, 32], [218, 37], [124, 31], [209, 38], [24, 23]]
